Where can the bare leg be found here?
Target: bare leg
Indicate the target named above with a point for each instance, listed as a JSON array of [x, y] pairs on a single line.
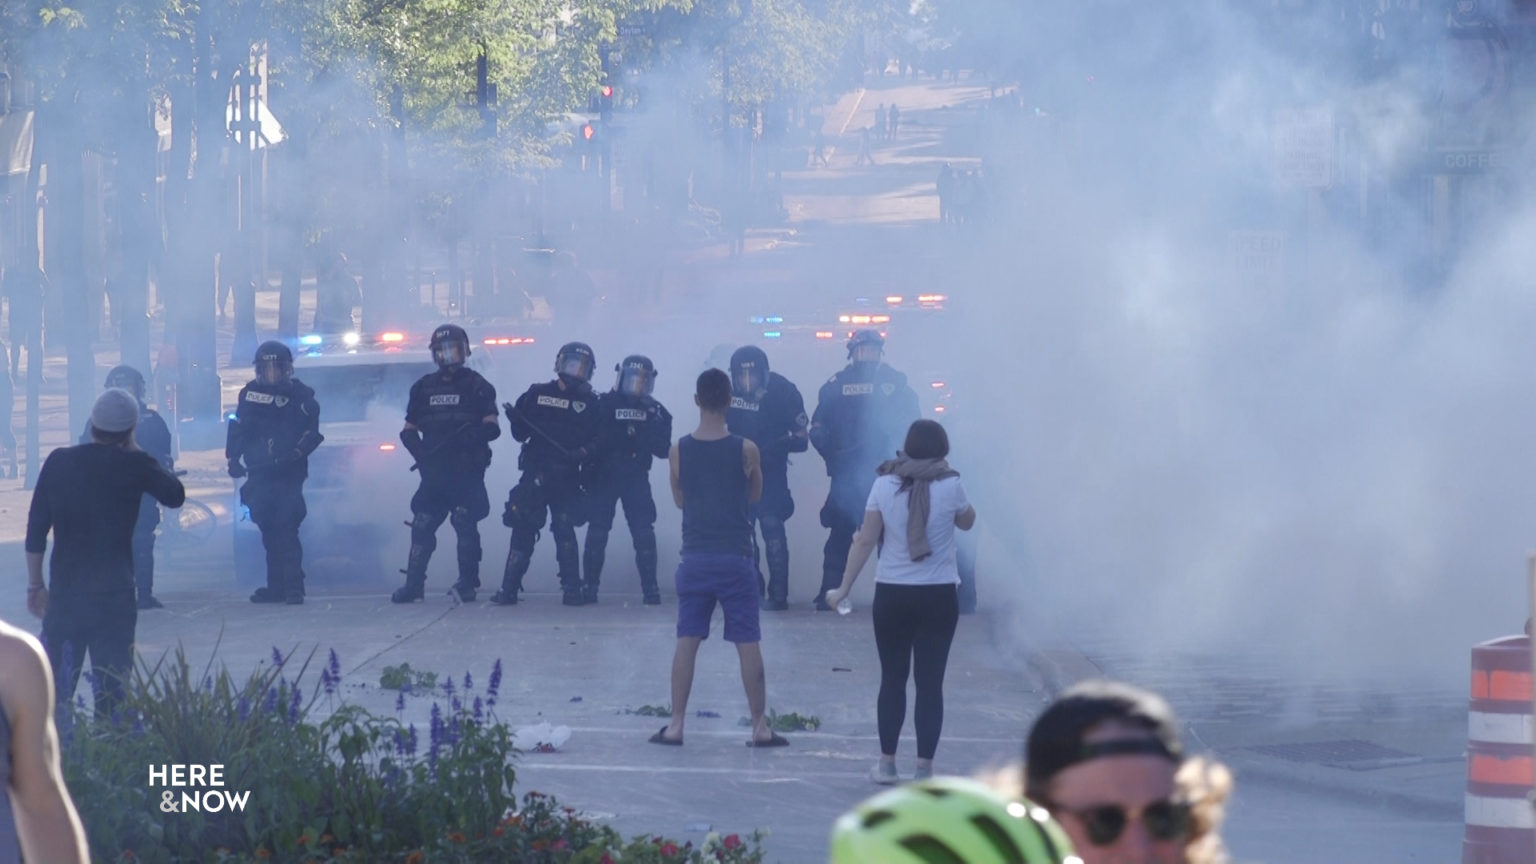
[[754, 679], [682, 682]]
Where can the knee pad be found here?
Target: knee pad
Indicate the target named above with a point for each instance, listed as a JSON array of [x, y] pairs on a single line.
[[463, 520], [424, 530]]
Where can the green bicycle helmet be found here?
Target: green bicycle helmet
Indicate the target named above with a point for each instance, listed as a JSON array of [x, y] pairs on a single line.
[[948, 820]]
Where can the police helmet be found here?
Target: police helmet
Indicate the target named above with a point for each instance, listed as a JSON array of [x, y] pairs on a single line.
[[719, 358], [749, 371], [274, 363], [866, 346], [637, 376], [450, 345], [575, 360], [948, 819], [126, 378]]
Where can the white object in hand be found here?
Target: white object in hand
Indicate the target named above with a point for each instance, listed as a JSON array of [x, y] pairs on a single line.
[[844, 606]]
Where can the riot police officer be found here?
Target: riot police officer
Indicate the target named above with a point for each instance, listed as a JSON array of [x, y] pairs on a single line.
[[450, 422], [767, 410], [556, 422], [154, 438], [633, 428], [862, 415], [275, 428]]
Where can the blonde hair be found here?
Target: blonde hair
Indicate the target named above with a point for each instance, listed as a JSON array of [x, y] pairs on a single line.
[[1201, 780]]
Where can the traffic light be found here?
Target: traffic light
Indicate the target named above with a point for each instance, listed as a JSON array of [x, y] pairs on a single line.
[[605, 102], [587, 132]]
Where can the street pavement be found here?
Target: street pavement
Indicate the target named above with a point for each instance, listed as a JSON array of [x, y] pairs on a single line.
[[1329, 769]]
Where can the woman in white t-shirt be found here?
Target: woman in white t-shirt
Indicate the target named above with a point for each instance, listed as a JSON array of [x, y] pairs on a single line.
[[914, 507]]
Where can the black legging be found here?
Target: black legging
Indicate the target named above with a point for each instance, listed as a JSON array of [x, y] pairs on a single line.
[[914, 625]]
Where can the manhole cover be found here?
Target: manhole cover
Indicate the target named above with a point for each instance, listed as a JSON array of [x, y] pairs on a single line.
[[1353, 754]]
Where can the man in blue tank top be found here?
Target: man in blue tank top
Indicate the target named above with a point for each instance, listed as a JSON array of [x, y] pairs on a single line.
[[715, 477]]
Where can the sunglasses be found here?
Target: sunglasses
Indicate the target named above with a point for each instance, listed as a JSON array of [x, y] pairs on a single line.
[[1164, 820]]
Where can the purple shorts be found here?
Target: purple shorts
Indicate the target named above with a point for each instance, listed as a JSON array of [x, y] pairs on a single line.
[[731, 580]]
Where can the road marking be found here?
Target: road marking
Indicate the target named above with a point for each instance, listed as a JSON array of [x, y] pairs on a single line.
[[856, 103], [761, 776], [742, 733]]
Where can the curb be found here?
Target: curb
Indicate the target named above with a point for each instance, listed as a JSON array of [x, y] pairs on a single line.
[[1062, 667]]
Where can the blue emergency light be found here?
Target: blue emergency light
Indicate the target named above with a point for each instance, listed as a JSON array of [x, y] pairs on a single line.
[[311, 339], [772, 334]]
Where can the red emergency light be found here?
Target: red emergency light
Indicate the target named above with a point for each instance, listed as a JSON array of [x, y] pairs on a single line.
[[895, 299], [387, 447], [509, 340], [824, 334], [587, 131], [607, 91], [392, 337]]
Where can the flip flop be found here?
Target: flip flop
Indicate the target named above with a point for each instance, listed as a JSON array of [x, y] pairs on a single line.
[[661, 738], [776, 741]]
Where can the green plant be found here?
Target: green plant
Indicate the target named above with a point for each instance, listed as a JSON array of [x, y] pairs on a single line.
[[403, 677], [650, 711], [790, 722]]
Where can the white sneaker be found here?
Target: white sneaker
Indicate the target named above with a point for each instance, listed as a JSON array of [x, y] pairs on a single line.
[[922, 773], [884, 773]]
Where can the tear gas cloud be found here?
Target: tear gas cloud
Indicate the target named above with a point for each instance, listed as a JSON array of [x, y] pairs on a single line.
[[1328, 464]]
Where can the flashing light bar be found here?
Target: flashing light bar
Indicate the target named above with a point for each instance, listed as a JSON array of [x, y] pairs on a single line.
[[350, 339], [386, 447], [311, 339], [895, 299], [392, 337], [772, 334], [230, 416], [931, 298], [853, 319], [509, 340], [844, 319], [937, 385], [824, 334], [879, 319], [938, 409], [767, 319]]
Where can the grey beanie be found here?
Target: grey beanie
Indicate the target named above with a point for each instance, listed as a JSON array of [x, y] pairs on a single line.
[[116, 410]]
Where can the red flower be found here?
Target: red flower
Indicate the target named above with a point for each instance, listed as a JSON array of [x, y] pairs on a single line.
[[560, 845], [303, 838], [606, 859], [455, 837], [733, 841], [669, 848], [497, 832], [540, 845]]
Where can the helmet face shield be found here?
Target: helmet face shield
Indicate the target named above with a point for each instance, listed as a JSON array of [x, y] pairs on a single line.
[[868, 352], [748, 379], [636, 380], [273, 370], [451, 352], [574, 365]]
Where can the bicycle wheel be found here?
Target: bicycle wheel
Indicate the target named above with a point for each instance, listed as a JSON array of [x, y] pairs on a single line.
[[195, 524]]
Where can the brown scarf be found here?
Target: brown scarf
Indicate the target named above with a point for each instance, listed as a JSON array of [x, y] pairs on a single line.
[[915, 475]]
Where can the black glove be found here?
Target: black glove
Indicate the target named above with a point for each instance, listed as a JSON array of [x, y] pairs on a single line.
[[411, 438], [236, 470]]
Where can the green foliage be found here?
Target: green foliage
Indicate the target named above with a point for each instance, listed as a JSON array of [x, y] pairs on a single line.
[[403, 677], [346, 787], [790, 722], [650, 711]]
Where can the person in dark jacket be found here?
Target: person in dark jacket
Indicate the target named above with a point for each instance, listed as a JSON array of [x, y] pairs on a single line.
[[767, 410], [862, 414], [633, 428], [556, 422], [89, 497], [154, 438], [450, 422], [275, 428]]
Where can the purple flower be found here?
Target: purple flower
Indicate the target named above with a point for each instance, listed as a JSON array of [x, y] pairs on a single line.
[[271, 703], [469, 683], [448, 687], [437, 725], [244, 708], [335, 665], [458, 707], [479, 710], [328, 681], [277, 657], [293, 708], [495, 684], [400, 703], [208, 683], [406, 687], [399, 742], [410, 740]]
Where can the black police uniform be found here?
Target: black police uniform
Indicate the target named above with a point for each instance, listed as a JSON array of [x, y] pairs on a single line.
[[276, 427], [556, 422], [452, 451], [777, 424], [861, 419], [631, 431], [154, 438]]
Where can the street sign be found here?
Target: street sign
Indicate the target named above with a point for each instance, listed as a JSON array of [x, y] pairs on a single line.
[[631, 29], [1303, 140]]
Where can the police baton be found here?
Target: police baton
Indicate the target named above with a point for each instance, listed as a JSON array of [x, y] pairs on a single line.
[[512, 409], [441, 444]]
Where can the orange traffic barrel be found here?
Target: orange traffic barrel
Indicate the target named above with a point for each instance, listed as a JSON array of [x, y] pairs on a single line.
[[1500, 827]]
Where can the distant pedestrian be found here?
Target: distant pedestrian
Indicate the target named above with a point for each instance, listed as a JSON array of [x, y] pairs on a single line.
[[88, 497], [866, 153], [881, 119], [819, 154], [1106, 760], [946, 189], [914, 507], [895, 122], [38, 820], [336, 294], [716, 477]]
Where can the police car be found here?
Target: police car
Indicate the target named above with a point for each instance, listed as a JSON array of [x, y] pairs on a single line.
[[360, 479]]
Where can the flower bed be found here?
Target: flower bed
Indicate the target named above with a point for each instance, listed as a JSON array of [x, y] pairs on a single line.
[[347, 787]]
